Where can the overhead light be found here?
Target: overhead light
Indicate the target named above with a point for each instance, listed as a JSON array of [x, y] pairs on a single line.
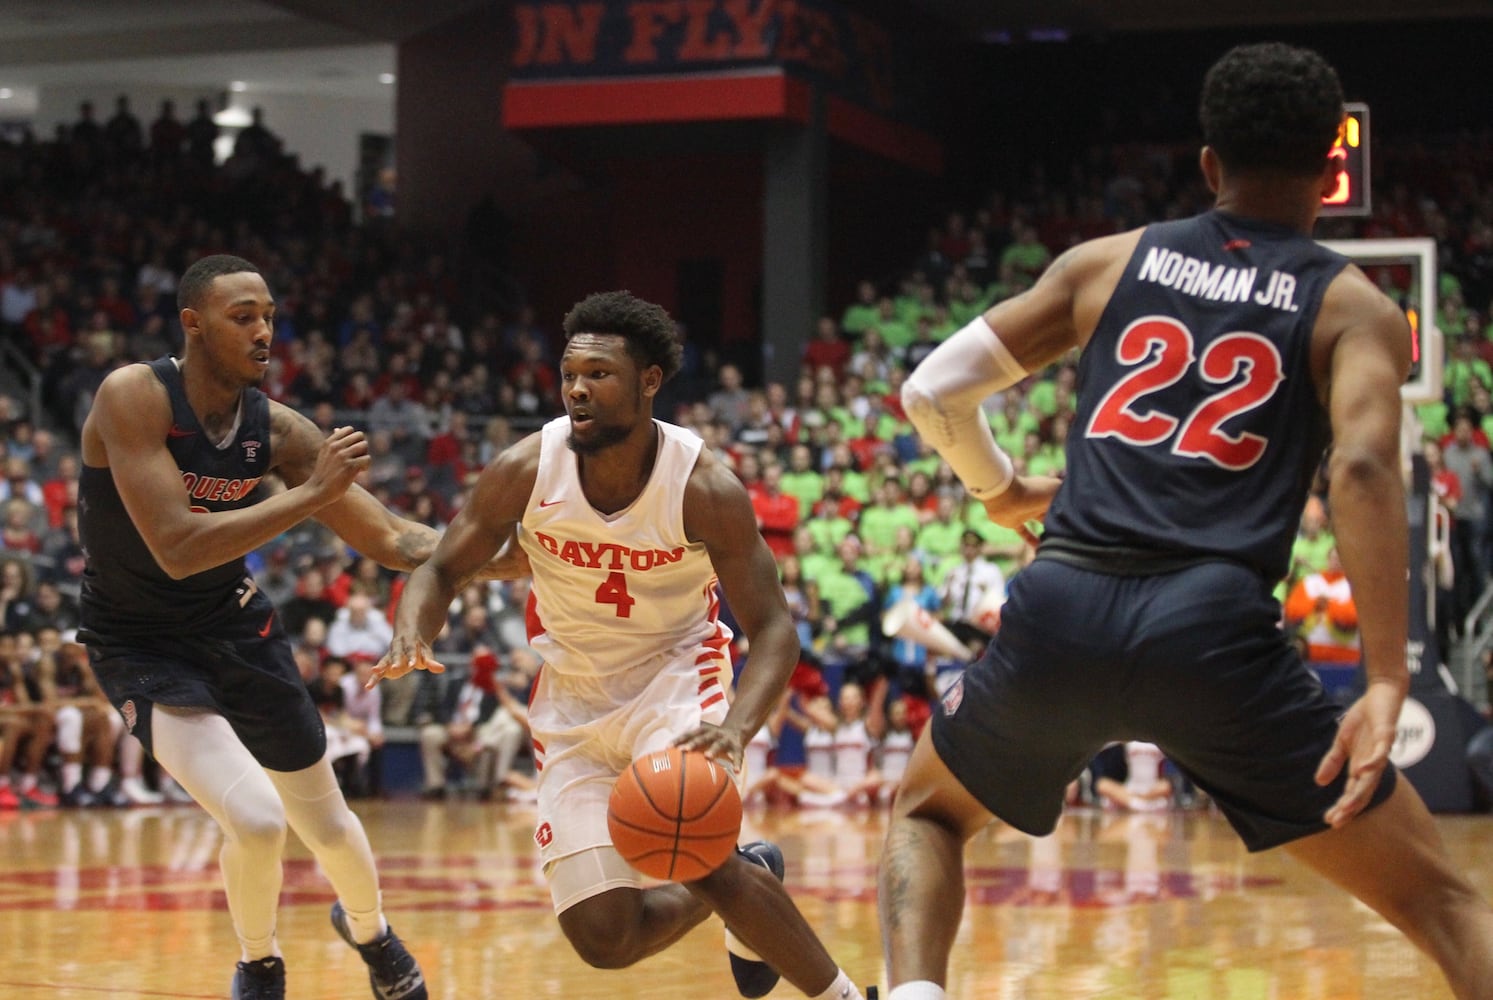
[[386, 78], [232, 117], [238, 86], [6, 93]]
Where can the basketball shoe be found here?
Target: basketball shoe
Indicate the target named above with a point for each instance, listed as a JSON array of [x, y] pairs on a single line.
[[261, 979], [392, 970], [757, 978]]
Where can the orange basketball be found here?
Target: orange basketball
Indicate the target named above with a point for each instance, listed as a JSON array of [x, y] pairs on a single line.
[[675, 815]]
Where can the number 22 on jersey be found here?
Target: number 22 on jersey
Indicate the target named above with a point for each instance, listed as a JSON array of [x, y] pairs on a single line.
[[1163, 351]]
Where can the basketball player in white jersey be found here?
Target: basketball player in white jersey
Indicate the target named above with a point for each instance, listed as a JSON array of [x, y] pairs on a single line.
[[628, 525]]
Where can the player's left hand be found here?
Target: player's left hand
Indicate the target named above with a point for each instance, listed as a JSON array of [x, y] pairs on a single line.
[[406, 654], [716, 742], [1364, 738], [1024, 501]]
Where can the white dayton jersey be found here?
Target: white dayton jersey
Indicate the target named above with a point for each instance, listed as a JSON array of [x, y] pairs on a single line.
[[613, 592]]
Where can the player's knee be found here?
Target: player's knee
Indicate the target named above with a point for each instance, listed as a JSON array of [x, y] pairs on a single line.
[[329, 831], [599, 943], [258, 826]]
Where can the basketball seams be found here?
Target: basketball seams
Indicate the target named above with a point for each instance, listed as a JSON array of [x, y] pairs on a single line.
[[674, 847]]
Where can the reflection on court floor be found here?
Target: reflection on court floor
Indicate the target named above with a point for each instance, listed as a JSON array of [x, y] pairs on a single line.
[[1162, 905]]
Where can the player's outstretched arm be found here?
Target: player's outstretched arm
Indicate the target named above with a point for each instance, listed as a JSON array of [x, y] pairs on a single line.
[[1368, 339], [718, 512], [126, 430], [356, 517], [482, 529]]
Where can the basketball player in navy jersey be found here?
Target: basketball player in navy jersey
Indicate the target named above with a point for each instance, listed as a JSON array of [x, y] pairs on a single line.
[[187, 467], [1220, 355], [628, 524]]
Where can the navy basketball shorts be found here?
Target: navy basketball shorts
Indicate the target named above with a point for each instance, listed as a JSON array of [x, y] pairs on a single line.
[[1193, 661], [244, 672]]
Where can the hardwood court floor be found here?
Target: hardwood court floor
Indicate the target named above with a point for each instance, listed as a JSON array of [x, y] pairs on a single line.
[[115, 905]]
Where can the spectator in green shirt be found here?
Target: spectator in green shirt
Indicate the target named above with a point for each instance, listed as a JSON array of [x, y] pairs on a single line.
[[848, 595], [879, 522], [863, 312], [1026, 254], [802, 480], [813, 560], [854, 482], [1044, 396], [893, 329], [1464, 368]]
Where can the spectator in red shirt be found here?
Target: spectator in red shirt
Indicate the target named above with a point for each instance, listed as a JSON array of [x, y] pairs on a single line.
[[445, 449], [827, 349], [61, 491], [777, 512]]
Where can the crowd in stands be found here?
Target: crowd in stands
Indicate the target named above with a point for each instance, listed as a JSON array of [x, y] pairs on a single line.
[[96, 223]]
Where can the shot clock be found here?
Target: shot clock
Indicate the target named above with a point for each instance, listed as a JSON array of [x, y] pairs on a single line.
[[1352, 148]]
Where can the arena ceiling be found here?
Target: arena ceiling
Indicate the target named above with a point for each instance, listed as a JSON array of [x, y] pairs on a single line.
[[342, 46]]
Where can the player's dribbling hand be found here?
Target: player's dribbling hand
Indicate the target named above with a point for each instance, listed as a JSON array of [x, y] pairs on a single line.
[[406, 654], [715, 742], [1025, 500], [1364, 738], [343, 455]]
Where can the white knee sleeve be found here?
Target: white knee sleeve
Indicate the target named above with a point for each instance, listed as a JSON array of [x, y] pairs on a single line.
[[70, 729]]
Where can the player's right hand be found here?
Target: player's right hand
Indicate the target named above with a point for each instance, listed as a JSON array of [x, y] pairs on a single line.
[[343, 455], [1365, 736], [406, 654], [1024, 501]]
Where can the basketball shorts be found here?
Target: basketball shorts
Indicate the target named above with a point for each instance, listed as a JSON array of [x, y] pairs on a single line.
[[244, 672], [587, 730], [1191, 660]]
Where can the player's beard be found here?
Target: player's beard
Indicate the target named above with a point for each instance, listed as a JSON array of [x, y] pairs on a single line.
[[602, 437], [603, 434]]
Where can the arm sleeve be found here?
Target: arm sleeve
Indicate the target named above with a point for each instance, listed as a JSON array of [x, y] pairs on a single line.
[[942, 398]]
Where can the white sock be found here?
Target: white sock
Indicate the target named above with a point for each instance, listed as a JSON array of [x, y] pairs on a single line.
[[366, 926], [918, 989], [254, 950], [738, 948], [98, 777], [841, 989], [28, 782], [71, 775]]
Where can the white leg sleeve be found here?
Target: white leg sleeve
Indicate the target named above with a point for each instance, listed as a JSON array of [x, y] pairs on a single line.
[[320, 817], [205, 756], [942, 398]]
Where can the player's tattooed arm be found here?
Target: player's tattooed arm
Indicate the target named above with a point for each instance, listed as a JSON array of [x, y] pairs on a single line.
[[357, 518]]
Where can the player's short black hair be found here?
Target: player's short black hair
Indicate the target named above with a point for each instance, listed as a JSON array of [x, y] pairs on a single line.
[[200, 276], [651, 334], [1271, 107]]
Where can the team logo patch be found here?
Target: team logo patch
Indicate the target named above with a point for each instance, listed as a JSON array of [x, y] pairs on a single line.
[[953, 697], [545, 835], [130, 715], [251, 450]]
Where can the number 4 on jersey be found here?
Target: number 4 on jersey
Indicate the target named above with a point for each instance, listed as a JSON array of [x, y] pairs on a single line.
[[613, 590], [1164, 350]]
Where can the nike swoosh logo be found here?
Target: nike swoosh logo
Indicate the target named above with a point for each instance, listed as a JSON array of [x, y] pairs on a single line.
[[548, 503], [264, 632], [177, 432]]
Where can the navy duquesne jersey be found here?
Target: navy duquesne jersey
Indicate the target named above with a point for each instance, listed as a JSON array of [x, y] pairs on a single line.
[[1198, 429], [126, 594]]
